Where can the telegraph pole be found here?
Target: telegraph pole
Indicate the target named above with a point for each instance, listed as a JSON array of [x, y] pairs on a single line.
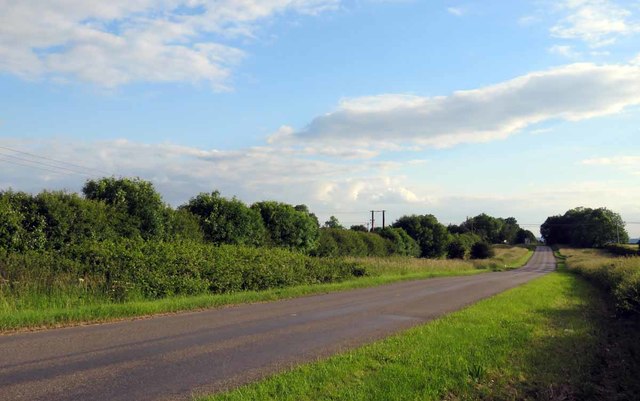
[[373, 220]]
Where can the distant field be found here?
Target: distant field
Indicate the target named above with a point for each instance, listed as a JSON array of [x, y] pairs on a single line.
[[42, 311]]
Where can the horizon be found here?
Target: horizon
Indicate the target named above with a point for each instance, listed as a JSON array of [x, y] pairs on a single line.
[[452, 108]]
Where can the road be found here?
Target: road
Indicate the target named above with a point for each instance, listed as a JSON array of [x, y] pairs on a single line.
[[171, 357]]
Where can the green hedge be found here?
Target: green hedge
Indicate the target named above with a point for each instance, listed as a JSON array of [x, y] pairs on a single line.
[[622, 250], [133, 269]]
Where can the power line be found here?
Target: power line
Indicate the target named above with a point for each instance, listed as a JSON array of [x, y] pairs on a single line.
[[21, 159], [55, 160], [32, 166]]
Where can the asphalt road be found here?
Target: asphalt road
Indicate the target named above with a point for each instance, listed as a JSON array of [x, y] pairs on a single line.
[[174, 356]]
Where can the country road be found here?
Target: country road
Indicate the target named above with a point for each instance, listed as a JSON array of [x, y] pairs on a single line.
[[174, 356]]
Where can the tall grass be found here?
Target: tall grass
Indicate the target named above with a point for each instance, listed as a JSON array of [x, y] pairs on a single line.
[[618, 275]]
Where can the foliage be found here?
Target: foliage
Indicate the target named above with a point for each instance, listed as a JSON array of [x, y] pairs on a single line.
[[133, 268], [494, 230], [287, 227], [619, 276], [333, 222], [359, 227], [482, 250], [339, 242], [456, 249], [400, 242], [431, 236], [525, 236], [585, 227], [137, 198], [227, 221]]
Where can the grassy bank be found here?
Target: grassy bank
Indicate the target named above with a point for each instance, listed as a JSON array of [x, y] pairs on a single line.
[[72, 304], [538, 341], [618, 275]]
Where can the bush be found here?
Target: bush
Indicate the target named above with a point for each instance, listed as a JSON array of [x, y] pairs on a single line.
[[456, 249], [621, 250], [340, 242], [288, 227], [227, 221], [133, 268], [482, 250]]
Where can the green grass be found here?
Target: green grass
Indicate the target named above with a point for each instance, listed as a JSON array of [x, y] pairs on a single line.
[[68, 308], [537, 341]]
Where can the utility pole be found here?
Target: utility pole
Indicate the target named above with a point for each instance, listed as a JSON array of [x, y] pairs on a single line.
[[373, 220], [383, 219]]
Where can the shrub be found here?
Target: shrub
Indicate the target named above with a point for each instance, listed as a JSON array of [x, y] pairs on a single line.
[[456, 249], [288, 227], [134, 268], [482, 250], [227, 221]]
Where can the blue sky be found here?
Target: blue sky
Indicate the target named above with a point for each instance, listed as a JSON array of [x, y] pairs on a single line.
[[521, 109]]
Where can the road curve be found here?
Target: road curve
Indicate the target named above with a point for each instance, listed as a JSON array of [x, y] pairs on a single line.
[[172, 357]]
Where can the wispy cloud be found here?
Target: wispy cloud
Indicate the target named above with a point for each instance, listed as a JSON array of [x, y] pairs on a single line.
[[121, 41], [457, 11], [595, 22], [564, 50], [630, 164], [395, 121]]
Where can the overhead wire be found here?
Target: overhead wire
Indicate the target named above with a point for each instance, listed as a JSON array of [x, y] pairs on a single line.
[[33, 155]]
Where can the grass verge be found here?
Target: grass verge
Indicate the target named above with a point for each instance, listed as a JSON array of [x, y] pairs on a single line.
[[381, 270], [537, 341]]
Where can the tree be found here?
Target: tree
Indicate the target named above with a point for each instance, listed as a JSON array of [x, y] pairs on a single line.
[[400, 242], [359, 227], [431, 236], [135, 197], [585, 227], [226, 221], [456, 249], [333, 222], [525, 236], [482, 250], [287, 227]]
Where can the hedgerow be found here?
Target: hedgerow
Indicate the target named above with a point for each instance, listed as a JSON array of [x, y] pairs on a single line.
[[134, 268]]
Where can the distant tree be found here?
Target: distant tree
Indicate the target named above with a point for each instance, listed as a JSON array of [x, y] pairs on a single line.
[[431, 236], [456, 249], [482, 250], [585, 227], [227, 221], [400, 242], [305, 209], [525, 235], [288, 227], [137, 198], [333, 222], [359, 227]]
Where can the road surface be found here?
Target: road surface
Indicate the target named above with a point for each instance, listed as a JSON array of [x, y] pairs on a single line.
[[174, 356]]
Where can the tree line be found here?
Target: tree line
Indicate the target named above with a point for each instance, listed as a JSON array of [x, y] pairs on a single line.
[[115, 208]]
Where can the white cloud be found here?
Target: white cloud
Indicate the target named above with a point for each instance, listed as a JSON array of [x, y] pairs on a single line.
[[596, 22], [457, 11], [122, 41], [391, 121], [564, 50], [630, 164], [258, 173]]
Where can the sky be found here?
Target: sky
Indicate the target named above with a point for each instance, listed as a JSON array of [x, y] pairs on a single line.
[[451, 108]]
